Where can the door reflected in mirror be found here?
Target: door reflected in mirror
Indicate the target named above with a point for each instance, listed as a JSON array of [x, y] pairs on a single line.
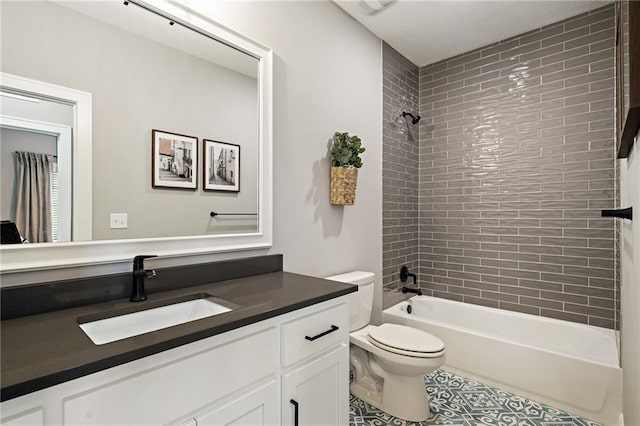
[[141, 73], [36, 169]]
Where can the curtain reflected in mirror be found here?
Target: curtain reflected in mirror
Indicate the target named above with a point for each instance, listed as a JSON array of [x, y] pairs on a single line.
[[33, 196]]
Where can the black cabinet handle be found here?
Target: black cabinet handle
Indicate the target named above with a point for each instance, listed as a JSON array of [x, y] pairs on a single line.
[[621, 213], [324, 333], [295, 411]]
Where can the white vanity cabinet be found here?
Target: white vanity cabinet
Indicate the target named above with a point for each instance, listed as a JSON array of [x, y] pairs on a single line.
[[246, 376]]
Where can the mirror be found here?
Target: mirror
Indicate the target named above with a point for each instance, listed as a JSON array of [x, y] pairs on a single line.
[[170, 120]]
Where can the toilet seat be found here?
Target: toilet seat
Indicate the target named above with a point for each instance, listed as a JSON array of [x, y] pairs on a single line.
[[407, 341]]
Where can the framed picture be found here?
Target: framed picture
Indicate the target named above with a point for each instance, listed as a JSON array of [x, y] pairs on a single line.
[[221, 166], [174, 160]]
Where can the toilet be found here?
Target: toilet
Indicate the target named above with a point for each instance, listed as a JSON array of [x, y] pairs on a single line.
[[388, 361]]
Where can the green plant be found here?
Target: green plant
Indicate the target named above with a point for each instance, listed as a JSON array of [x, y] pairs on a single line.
[[346, 150]]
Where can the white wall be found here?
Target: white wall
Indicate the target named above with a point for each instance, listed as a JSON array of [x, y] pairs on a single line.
[[630, 287], [327, 78]]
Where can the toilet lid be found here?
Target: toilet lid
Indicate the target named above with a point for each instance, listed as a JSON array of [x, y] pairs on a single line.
[[405, 340]]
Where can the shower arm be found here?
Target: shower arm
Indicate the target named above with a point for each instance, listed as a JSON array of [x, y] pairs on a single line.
[[414, 119]]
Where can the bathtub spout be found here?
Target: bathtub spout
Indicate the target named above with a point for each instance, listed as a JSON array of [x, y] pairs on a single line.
[[411, 290]]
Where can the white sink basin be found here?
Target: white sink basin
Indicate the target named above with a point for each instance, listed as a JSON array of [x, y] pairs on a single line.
[[120, 327]]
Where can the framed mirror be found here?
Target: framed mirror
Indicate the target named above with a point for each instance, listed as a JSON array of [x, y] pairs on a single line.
[[138, 86]]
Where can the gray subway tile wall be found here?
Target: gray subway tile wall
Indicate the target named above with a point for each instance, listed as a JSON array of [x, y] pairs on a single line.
[[516, 160], [400, 231]]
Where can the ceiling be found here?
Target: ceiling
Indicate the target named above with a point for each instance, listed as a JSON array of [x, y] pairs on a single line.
[[426, 31]]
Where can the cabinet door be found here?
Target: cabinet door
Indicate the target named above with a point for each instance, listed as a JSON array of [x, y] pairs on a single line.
[[318, 392], [258, 408]]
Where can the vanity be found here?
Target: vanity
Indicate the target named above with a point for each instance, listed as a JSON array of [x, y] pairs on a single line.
[[279, 356]]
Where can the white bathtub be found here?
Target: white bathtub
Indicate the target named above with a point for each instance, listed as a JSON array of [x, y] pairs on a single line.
[[570, 366]]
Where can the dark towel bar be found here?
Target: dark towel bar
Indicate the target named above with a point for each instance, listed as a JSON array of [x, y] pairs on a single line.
[[214, 214]]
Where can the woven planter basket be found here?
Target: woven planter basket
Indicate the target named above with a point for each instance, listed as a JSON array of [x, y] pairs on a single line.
[[343, 185]]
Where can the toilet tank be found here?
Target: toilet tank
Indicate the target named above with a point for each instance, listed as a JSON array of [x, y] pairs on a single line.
[[360, 302]]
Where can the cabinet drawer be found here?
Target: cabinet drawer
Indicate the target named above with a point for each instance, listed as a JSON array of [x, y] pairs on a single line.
[[314, 333]]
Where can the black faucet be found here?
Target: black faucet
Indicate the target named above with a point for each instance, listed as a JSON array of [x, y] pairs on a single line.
[[404, 275], [406, 289], [139, 274]]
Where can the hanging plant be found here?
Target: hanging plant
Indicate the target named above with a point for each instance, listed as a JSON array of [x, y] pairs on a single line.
[[345, 162], [346, 150]]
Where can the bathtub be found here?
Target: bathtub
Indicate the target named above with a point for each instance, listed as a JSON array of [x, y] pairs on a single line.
[[573, 367]]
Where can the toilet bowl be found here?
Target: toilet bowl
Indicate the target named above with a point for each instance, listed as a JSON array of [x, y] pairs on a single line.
[[388, 361], [392, 378]]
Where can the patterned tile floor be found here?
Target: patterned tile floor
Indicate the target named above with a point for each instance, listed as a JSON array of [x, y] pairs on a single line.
[[463, 402]]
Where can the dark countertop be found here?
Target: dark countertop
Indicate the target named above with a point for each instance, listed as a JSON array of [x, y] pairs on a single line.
[[39, 351]]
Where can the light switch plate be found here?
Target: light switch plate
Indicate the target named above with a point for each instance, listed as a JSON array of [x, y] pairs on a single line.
[[118, 220]]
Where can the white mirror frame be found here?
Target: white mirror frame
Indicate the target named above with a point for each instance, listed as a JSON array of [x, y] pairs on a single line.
[[32, 257]]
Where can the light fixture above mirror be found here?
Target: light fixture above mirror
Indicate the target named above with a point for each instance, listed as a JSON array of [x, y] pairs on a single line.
[[149, 204]]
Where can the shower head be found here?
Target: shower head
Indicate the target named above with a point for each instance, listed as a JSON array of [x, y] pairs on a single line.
[[414, 119]]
